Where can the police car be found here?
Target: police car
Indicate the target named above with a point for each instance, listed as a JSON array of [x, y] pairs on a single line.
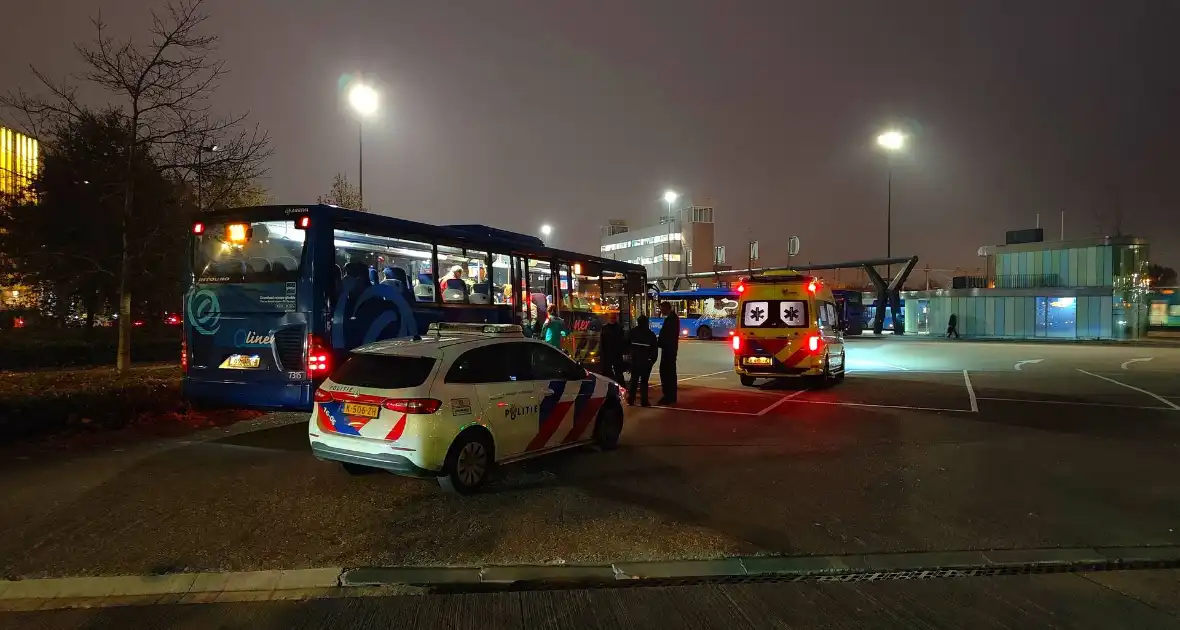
[[452, 403]]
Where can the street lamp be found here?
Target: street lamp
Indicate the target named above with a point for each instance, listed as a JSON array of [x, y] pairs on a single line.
[[546, 230], [201, 151], [670, 197], [363, 100], [891, 141]]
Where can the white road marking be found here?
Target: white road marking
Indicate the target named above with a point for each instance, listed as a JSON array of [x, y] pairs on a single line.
[[852, 404], [724, 413], [780, 401], [1073, 402], [1020, 364], [729, 371], [971, 393], [1126, 364], [1142, 391]]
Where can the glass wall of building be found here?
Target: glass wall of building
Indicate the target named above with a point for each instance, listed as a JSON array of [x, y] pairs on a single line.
[[1013, 316]]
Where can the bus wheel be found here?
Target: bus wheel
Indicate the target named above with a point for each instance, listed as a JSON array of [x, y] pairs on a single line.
[[747, 381], [468, 463], [704, 333]]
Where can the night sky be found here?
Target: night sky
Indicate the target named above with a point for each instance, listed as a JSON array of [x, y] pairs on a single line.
[[517, 113]]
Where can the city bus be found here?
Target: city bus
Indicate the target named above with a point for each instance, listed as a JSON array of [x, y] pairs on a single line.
[[278, 295], [706, 313], [850, 305]]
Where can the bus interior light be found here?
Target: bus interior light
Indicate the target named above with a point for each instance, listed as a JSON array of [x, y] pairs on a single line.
[[302, 223]]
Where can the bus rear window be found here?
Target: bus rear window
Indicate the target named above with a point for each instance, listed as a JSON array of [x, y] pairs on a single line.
[[383, 371], [262, 251], [774, 314]]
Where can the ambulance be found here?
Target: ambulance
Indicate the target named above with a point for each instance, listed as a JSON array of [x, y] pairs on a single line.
[[787, 327]]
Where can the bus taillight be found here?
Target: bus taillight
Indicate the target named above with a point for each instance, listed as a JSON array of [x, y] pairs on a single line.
[[318, 357]]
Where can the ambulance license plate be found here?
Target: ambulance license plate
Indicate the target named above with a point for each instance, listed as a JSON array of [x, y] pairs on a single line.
[[364, 411]]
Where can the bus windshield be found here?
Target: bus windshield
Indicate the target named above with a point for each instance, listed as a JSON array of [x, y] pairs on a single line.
[[262, 251]]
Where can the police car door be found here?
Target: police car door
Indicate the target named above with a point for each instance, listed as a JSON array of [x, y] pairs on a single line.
[[502, 391], [565, 393]]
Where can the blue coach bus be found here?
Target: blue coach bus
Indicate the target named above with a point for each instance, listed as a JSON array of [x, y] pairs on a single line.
[[709, 313], [706, 313], [278, 295]]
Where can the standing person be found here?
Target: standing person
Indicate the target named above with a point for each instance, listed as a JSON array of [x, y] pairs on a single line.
[[554, 330], [952, 326], [669, 343], [611, 348], [643, 357]]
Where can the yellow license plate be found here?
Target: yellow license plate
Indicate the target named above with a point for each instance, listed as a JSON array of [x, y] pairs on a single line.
[[364, 411], [758, 361], [242, 362]]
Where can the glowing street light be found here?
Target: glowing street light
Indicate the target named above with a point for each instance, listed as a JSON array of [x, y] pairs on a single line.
[[364, 101], [670, 197], [891, 140], [546, 230]]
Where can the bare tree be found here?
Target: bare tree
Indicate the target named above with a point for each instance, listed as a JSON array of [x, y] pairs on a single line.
[[343, 194], [162, 89]]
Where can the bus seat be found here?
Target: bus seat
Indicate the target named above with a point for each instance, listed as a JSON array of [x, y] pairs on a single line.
[[227, 268], [285, 263], [481, 294], [357, 270], [258, 265], [373, 279], [426, 278], [424, 292], [454, 296]]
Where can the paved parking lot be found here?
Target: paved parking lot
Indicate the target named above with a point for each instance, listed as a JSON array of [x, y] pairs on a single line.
[[926, 446]]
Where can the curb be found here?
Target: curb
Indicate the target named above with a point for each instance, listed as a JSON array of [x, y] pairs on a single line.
[[53, 593]]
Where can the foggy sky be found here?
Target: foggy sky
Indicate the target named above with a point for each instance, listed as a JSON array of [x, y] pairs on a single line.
[[570, 112]]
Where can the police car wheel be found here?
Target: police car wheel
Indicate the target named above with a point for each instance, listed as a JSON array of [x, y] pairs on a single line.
[[468, 464], [608, 427], [704, 333], [748, 381]]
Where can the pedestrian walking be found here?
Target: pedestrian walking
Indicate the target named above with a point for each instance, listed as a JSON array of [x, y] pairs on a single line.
[[643, 344], [669, 343], [952, 326]]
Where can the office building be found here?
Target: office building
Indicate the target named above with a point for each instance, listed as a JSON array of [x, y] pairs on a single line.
[[1084, 289], [19, 161], [680, 243]]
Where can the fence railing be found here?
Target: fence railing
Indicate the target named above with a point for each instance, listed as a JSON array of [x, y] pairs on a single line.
[[1008, 281]]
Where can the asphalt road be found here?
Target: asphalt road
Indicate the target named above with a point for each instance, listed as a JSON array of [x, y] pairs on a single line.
[[925, 446]]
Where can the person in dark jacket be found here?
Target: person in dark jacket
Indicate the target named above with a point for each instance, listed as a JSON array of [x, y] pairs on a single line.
[[643, 356], [611, 349], [669, 342], [952, 326]]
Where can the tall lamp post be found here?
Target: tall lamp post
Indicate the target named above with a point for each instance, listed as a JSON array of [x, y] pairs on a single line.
[[546, 230], [891, 141], [670, 197], [201, 151], [363, 100]]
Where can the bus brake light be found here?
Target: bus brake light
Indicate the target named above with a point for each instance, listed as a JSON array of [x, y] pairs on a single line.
[[303, 223], [318, 358], [198, 228]]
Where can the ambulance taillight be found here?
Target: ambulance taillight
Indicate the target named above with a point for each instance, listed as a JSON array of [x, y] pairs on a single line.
[[814, 343], [737, 343], [811, 286]]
